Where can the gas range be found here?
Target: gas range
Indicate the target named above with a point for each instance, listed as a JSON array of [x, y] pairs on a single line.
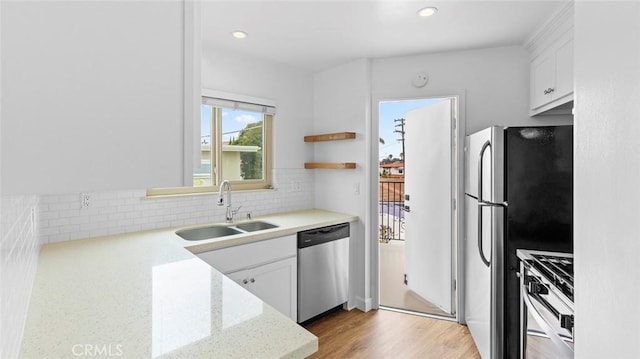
[[557, 269], [547, 307]]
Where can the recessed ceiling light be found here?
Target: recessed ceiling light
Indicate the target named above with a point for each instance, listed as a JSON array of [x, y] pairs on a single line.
[[239, 34], [427, 11]]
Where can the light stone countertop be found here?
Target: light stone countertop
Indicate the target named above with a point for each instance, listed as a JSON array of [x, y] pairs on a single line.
[[142, 295]]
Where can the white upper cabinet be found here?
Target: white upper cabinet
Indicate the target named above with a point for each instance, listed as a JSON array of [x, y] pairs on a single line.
[[552, 75], [542, 77], [564, 67], [551, 50]]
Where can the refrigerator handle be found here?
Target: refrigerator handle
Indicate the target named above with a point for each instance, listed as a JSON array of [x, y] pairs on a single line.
[[484, 148], [484, 259], [481, 203]]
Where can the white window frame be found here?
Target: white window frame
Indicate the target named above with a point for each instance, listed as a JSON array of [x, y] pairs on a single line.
[[228, 100]]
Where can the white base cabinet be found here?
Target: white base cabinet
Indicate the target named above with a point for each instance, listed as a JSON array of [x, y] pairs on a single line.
[[268, 269], [274, 283]]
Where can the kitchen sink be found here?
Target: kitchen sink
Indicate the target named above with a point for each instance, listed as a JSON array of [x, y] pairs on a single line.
[[255, 226], [215, 231], [196, 234]]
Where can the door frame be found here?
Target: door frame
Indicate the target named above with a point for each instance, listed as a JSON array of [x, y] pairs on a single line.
[[457, 182]]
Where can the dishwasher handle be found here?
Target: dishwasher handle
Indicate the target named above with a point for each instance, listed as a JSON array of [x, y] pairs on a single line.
[[322, 235]]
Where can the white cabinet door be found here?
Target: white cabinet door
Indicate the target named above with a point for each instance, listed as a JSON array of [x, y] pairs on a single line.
[[552, 75], [239, 276], [542, 79], [274, 283], [564, 70]]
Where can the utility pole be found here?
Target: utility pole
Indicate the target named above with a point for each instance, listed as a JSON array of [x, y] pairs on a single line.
[[400, 123]]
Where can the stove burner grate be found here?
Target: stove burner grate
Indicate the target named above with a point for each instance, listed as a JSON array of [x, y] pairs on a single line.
[[558, 270]]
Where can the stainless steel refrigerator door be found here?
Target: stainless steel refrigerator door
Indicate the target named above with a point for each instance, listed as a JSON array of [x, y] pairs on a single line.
[[490, 142], [472, 146], [478, 277], [484, 229]]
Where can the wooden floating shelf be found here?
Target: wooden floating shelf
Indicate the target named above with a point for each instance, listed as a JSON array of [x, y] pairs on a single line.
[[330, 165], [330, 137]]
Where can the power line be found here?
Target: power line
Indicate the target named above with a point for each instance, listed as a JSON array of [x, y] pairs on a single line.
[[246, 128], [400, 123]]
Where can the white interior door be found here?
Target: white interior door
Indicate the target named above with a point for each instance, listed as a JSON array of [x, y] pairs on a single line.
[[428, 222]]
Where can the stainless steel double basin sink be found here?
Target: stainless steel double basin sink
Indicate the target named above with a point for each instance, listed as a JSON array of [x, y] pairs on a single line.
[[220, 230]]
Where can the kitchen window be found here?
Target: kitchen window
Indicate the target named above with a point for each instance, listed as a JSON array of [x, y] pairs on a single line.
[[235, 144]]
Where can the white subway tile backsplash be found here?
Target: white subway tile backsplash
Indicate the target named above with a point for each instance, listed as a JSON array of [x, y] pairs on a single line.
[[115, 212], [19, 248]]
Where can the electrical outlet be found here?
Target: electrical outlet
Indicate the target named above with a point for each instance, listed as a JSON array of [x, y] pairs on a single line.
[[85, 200], [296, 185], [356, 188]]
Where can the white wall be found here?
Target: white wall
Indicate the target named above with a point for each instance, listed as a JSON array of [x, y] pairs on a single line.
[[342, 103], [92, 95], [290, 88], [606, 178], [495, 82]]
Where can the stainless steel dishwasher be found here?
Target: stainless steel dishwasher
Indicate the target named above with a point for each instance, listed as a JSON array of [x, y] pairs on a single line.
[[323, 270]]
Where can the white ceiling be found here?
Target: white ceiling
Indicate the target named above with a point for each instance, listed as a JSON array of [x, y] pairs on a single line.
[[316, 35]]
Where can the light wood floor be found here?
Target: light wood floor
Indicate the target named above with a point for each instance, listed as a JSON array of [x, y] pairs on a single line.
[[380, 334], [393, 292]]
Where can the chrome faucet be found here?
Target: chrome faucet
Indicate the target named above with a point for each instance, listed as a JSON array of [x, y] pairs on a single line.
[[226, 186]]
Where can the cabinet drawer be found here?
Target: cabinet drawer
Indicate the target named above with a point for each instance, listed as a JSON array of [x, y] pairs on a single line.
[[230, 259]]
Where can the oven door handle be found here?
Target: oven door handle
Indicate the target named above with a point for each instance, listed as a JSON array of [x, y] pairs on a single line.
[[546, 327]]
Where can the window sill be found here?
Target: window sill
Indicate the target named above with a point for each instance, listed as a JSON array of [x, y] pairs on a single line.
[[204, 193]]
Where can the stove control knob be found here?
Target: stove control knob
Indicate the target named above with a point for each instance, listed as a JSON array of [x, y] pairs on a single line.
[[566, 321], [535, 287]]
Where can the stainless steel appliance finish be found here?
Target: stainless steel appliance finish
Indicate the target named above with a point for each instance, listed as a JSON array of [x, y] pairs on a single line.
[[518, 194], [323, 270], [547, 309], [484, 206]]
